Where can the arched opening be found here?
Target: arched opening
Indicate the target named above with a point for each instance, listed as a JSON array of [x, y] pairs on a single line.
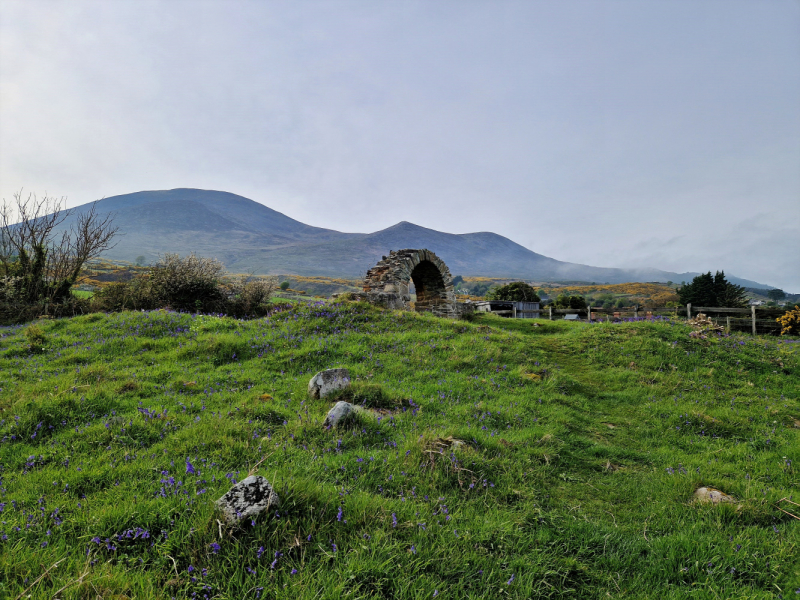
[[429, 284], [388, 283]]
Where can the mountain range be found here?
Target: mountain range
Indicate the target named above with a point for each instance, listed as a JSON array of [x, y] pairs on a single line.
[[250, 237]]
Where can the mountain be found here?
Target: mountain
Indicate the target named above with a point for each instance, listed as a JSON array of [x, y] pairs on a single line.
[[248, 236]]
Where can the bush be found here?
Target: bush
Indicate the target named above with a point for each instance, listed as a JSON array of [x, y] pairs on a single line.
[[518, 291], [37, 339], [476, 289], [285, 285], [188, 283], [136, 294], [15, 308], [249, 296], [564, 301], [790, 321]]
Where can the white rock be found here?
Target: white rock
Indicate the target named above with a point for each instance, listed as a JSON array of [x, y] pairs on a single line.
[[340, 413], [248, 498], [326, 382], [708, 494]]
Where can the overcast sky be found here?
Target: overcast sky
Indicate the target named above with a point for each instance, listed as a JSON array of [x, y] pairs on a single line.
[[617, 134]]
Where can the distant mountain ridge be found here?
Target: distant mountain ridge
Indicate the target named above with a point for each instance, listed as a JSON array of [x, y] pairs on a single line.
[[248, 236]]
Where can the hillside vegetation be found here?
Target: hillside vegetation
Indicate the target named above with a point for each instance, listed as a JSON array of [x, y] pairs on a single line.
[[582, 448], [645, 294]]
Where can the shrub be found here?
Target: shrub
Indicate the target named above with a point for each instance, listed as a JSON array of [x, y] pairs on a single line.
[[136, 294], [188, 283], [249, 296], [564, 301], [518, 291], [790, 321], [577, 302], [284, 285], [37, 339]]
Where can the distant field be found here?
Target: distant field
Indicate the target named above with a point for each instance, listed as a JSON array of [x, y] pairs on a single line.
[[583, 445]]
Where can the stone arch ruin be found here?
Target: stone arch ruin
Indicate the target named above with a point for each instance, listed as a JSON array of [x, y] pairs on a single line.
[[390, 280]]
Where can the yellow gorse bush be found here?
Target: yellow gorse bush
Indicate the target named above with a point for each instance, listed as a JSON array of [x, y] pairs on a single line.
[[790, 321]]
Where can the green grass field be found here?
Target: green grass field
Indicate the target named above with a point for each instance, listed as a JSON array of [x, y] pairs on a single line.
[[583, 447]]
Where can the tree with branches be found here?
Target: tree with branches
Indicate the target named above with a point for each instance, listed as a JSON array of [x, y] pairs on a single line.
[[40, 260], [708, 290]]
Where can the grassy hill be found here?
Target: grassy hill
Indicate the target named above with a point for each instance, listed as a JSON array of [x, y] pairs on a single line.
[[583, 445]]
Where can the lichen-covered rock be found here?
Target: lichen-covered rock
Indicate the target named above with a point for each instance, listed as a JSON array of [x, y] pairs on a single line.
[[248, 498], [709, 494], [341, 413], [326, 382]]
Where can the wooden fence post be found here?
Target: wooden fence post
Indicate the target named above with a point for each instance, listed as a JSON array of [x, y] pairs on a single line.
[[728, 324], [753, 311], [551, 311], [635, 311], [689, 310], [590, 314]]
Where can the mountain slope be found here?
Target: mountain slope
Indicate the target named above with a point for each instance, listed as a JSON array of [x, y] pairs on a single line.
[[248, 236]]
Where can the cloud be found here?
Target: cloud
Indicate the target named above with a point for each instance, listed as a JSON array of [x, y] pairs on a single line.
[[607, 133]]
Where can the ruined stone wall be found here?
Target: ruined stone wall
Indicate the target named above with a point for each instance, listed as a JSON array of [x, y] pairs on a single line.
[[387, 283], [394, 273]]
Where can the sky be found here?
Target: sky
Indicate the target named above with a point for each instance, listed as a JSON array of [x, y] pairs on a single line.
[[626, 133]]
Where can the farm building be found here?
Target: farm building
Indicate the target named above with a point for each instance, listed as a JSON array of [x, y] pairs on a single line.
[[512, 310]]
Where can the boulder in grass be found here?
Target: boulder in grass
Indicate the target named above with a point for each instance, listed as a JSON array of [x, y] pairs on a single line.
[[341, 413], [709, 494], [325, 383], [247, 499]]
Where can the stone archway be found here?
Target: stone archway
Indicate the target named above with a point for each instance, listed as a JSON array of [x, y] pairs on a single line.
[[393, 275]]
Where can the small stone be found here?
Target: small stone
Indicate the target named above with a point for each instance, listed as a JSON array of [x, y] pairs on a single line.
[[340, 413], [709, 494], [327, 382], [247, 499]]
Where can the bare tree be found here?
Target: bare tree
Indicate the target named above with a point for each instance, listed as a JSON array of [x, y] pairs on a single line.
[[45, 261]]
